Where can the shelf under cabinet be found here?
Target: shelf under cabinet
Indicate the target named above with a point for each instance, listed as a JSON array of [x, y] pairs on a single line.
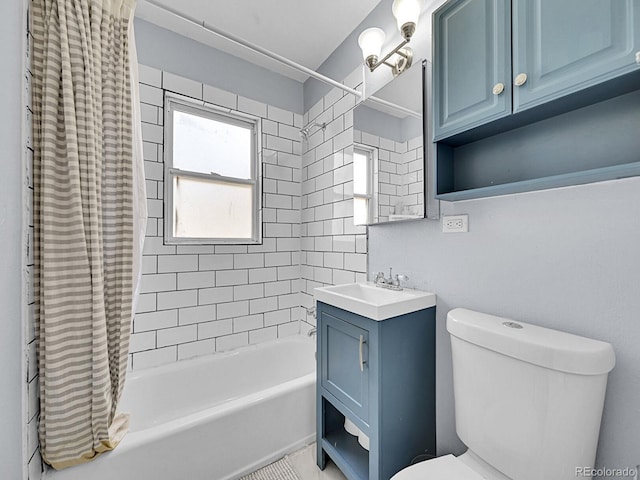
[[345, 451], [555, 181], [592, 144], [342, 447]]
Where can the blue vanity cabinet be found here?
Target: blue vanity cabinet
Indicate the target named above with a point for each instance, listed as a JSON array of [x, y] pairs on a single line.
[[472, 50], [570, 45], [381, 376]]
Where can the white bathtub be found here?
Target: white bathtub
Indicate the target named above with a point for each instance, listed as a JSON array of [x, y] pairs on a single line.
[[213, 418]]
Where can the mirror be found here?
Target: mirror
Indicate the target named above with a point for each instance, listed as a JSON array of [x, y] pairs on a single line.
[[388, 152]]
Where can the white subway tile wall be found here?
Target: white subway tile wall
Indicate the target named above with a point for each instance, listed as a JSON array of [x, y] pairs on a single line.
[[198, 300], [333, 249], [399, 175]]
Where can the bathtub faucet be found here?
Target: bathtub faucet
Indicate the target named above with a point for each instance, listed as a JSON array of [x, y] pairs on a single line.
[[312, 332]]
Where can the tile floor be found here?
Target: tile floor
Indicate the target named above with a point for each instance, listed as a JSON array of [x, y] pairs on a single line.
[[304, 463]]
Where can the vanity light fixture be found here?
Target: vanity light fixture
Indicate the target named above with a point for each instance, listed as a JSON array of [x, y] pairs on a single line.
[[407, 13]]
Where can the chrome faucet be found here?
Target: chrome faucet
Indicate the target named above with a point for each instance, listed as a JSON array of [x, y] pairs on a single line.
[[392, 283], [379, 279]]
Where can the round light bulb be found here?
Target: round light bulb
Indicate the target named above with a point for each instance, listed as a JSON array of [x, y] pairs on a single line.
[[407, 13], [370, 42]]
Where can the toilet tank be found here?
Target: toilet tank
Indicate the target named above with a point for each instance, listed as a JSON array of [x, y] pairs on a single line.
[[528, 400]]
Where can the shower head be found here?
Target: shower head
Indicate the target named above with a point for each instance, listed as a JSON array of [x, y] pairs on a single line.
[[306, 131]]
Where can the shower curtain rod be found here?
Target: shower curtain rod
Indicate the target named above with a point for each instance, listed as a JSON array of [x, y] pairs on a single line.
[[279, 58], [255, 48], [408, 111]]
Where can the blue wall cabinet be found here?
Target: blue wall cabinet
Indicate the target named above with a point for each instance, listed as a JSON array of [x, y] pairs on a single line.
[[381, 376], [473, 53], [560, 47], [564, 102]]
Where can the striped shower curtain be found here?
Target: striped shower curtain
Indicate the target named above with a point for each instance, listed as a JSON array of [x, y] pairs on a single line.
[[84, 220]]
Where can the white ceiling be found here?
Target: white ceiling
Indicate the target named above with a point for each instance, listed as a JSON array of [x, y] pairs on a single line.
[[305, 31]]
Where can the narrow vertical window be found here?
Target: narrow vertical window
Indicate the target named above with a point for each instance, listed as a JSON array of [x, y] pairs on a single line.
[[363, 160], [212, 183]]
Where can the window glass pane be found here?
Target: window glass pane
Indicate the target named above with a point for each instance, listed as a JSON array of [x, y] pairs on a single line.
[[206, 145], [360, 211], [211, 209], [360, 183]]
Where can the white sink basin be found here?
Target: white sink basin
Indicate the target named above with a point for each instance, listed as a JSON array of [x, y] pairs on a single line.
[[374, 302]]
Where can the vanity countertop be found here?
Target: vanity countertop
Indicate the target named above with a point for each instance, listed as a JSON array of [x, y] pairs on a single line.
[[374, 302]]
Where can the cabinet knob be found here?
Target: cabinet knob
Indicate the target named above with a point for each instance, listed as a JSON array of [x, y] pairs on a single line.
[[638, 58], [498, 88], [520, 79]]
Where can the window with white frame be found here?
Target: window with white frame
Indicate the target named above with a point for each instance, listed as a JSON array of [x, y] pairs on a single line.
[[363, 160], [212, 174]]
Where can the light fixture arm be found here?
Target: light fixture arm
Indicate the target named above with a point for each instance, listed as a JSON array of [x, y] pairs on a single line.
[[388, 56], [404, 61]]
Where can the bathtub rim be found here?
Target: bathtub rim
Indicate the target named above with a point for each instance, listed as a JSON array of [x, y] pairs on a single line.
[[157, 370], [180, 424]]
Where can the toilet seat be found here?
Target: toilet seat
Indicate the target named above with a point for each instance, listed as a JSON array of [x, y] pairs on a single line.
[[441, 468]]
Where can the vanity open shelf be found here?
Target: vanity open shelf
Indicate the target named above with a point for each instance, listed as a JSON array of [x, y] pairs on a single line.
[[342, 447]]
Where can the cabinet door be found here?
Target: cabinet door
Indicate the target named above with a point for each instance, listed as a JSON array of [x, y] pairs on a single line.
[[565, 46], [344, 369], [471, 61]]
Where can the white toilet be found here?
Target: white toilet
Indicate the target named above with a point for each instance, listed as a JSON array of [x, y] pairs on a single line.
[[528, 401]]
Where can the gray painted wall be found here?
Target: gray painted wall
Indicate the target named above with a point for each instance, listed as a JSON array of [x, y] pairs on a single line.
[[347, 56], [11, 381], [567, 259], [165, 50]]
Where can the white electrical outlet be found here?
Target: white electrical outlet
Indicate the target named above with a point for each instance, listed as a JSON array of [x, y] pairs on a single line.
[[455, 223]]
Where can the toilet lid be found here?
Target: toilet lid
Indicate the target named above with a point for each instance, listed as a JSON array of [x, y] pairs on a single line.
[[441, 468]]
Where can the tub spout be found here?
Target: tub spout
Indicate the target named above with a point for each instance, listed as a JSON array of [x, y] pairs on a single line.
[[312, 332]]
